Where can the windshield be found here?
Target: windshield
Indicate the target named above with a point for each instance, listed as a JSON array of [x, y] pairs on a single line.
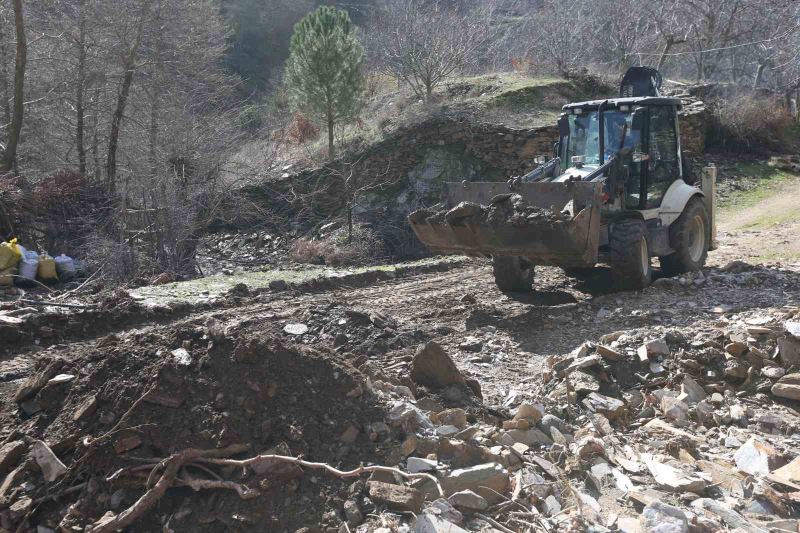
[[584, 136]]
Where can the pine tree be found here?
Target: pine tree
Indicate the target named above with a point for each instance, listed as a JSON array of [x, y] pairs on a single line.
[[323, 73]]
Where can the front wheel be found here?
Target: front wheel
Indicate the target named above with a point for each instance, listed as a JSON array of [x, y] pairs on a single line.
[[512, 273], [689, 236], [630, 255]]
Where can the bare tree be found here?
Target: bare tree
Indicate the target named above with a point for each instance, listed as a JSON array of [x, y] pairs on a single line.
[[423, 42], [10, 153], [129, 70]]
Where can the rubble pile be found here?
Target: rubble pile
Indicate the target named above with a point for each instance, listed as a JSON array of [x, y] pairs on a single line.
[[687, 427], [503, 209], [226, 253]]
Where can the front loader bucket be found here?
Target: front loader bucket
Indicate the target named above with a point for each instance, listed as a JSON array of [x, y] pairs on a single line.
[[530, 221]]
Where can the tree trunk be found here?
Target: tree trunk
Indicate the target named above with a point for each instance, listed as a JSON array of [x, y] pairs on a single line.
[[95, 139], [663, 57], [129, 64], [331, 153], [762, 65], [79, 109], [155, 93], [10, 154], [4, 74]]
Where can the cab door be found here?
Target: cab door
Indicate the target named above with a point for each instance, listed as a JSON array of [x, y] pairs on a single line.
[[663, 161]]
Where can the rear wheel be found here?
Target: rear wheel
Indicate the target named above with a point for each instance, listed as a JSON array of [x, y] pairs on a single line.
[[689, 237], [512, 273], [630, 255]]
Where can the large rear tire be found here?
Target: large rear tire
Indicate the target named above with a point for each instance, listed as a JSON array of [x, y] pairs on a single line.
[[630, 255], [689, 236], [512, 273]]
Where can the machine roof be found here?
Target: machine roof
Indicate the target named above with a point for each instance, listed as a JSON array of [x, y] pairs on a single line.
[[616, 102]]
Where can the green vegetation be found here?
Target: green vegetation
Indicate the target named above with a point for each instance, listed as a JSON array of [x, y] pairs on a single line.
[[759, 181], [323, 73], [212, 287]]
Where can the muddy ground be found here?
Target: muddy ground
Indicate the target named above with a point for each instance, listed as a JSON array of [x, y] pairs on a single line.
[[289, 372]]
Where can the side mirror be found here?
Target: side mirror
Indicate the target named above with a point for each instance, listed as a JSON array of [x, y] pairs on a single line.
[[556, 149]]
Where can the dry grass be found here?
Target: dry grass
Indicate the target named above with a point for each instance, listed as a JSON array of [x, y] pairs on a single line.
[[751, 123]]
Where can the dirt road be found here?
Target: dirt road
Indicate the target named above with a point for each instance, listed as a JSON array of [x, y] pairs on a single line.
[[501, 340]]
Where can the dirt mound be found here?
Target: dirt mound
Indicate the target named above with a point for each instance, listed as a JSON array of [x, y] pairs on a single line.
[[114, 412]]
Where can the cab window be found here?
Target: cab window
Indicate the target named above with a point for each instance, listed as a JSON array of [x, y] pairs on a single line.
[[663, 162]]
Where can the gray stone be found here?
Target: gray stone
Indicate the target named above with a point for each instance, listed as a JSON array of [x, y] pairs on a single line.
[[789, 350], [52, 467], [10, 454], [673, 479], [487, 480], [416, 465], [529, 437], [605, 405], [396, 497], [552, 421], [551, 506], [295, 329], [431, 366], [431, 523], [468, 500], [731, 518], [352, 513], [691, 391], [756, 457], [660, 517], [788, 387]]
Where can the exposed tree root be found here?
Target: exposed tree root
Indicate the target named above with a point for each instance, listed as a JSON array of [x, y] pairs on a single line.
[[323, 466], [173, 464]]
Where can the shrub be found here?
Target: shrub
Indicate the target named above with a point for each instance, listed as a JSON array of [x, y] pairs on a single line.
[[750, 123], [301, 130], [333, 249]]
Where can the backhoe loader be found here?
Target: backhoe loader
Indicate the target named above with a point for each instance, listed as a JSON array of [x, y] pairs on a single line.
[[617, 190]]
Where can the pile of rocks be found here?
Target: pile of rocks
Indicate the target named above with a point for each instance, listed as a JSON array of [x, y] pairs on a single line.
[[684, 431], [228, 252]]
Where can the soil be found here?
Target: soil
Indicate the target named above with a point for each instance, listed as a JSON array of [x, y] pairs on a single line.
[[236, 374]]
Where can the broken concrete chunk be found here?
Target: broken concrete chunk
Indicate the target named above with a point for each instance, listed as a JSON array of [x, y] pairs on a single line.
[[788, 387], [659, 517], [605, 405], [468, 500], [654, 349], [487, 480], [396, 497], [756, 457], [52, 467], [10, 454], [431, 366], [673, 479]]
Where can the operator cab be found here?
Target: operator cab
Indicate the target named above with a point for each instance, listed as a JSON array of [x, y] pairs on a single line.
[[639, 132]]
